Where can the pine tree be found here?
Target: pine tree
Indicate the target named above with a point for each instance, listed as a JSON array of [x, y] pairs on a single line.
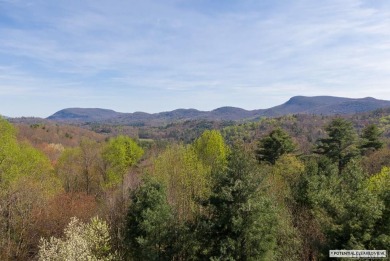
[[241, 222], [274, 145], [345, 208], [340, 145], [148, 222], [370, 139]]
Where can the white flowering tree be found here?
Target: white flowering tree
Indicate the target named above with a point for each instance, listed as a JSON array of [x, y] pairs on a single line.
[[81, 242]]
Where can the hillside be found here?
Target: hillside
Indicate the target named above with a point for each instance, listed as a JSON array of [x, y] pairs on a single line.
[[326, 105], [319, 105], [84, 114]]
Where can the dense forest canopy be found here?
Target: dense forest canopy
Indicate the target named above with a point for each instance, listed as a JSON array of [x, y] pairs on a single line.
[[287, 188]]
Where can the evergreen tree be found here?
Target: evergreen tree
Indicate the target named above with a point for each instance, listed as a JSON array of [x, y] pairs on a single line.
[[345, 208], [370, 139], [274, 145], [241, 222], [340, 145], [148, 223]]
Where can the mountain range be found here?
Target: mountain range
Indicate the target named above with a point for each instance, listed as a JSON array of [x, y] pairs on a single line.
[[321, 105]]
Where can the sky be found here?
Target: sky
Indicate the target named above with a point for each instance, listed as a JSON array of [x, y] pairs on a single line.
[[160, 55]]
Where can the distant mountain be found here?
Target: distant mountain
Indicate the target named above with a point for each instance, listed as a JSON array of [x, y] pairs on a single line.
[[325, 105], [84, 114]]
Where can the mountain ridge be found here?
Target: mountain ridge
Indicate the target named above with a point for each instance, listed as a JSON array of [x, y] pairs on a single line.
[[324, 105]]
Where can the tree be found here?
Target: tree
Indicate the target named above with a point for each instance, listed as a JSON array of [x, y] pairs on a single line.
[[240, 223], [80, 169], [90, 156], [274, 145], [148, 222], [185, 177], [370, 139], [211, 149], [26, 181], [281, 180], [69, 170], [52, 218], [119, 155], [81, 242], [9, 152], [379, 184], [345, 208], [374, 162], [340, 145]]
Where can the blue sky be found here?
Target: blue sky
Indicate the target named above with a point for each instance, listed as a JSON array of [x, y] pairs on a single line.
[[159, 55]]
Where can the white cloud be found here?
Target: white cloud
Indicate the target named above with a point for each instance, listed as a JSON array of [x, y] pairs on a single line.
[[241, 49]]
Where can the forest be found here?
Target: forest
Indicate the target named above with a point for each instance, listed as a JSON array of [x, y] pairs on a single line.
[[287, 188]]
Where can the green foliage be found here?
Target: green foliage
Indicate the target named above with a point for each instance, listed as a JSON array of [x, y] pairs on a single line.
[[120, 154], [80, 168], [380, 185], [9, 152], [274, 145], [24, 161], [187, 180], [148, 222], [380, 182], [281, 180], [370, 139], [20, 161], [240, 223], [81, 242], [26, 181], [344, 207], [211, 149], [7, 132], [385, 122], [340, 145], [201, 201]]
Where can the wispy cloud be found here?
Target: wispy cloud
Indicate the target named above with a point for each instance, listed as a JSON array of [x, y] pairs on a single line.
[[234, 54]]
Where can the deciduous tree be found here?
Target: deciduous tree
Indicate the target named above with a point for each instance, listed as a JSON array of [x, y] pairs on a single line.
[[26, 181], [119, 155], [81, 242], [186, 178], [379, 184], [211, 149]]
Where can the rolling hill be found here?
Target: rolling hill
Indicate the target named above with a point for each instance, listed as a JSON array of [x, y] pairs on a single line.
[[320, 105]]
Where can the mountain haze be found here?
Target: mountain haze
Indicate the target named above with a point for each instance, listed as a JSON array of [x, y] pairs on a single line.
[[325, 105]]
